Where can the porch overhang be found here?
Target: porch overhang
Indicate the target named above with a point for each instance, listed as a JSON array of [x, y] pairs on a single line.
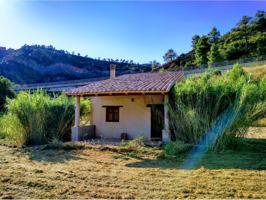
[[113, 93]]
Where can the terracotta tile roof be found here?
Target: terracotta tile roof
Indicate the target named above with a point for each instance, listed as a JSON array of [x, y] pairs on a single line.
[[152, 82]]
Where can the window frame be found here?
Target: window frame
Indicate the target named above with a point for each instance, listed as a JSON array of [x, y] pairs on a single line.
[[114, 112]]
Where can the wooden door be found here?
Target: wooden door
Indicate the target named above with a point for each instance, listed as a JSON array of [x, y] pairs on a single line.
[[157, 121]]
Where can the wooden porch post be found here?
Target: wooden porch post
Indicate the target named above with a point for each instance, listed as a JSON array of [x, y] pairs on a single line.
[[77, 111], [166, 131]]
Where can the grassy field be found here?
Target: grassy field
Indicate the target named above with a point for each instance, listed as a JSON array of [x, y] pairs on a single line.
[[94, 171]]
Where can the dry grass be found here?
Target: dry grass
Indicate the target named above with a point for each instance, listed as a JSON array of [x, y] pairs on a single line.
[[256, 71], [257, 132], [261, 122], [91, 171]]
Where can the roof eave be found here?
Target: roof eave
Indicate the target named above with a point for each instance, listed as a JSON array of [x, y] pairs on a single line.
[[121, 93]]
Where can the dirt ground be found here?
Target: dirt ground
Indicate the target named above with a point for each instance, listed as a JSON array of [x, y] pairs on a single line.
[[96, 171]]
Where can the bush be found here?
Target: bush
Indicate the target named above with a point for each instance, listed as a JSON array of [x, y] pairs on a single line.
[[197, 103], [134, 144], [37, 118], [6, 90], [10, 127], [177, 148]]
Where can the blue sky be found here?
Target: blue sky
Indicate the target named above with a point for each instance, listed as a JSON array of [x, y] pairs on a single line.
[[141, 31]]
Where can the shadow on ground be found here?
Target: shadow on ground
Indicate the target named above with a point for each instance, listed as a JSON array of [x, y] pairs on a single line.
[[251, 155], [51, 154], [156, 163]]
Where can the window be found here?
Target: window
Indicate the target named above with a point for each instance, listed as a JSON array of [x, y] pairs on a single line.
[[112, 113]]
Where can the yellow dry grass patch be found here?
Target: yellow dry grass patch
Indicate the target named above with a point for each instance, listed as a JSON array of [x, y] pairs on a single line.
[[257, 132], [256, 71], [117, 172]]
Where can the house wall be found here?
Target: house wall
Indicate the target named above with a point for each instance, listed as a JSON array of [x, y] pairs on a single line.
[[134, 116]]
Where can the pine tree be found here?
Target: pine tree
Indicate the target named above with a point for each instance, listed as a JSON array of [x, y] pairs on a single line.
[[201, 51], [195, 40], [243, 28], [214, 35], [214, 55], [169, 55]]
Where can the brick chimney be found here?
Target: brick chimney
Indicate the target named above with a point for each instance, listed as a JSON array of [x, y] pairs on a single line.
[[112, 71]]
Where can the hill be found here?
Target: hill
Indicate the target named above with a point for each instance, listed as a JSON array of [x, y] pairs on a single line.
[[39, 63], [246, 40]]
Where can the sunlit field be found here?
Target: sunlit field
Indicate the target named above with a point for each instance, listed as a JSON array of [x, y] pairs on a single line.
[[257, 71], [95, 171]]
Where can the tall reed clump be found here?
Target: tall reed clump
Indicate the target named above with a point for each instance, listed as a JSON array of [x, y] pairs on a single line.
[[38, 118], [197, 103]]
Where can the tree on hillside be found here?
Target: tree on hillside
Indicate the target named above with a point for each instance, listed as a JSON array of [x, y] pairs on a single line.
[[6, 90], [259, 41], [214, 35], [259, 22], [243, 29], [236, 43], [214, 55], [169, 55], [195, 39], [246, 39], [155, 64], [201, 51]]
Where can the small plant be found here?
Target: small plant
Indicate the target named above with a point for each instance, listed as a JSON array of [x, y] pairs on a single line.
[[54, 144], [177, 148], [134, 144]]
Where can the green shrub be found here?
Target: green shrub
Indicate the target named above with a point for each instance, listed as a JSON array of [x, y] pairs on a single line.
[[176, 148], [197, 103], [10, 127], [37, 118], [6, 91]]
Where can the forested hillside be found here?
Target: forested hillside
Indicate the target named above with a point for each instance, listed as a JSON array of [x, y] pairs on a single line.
[[247, 39], [39, 63]]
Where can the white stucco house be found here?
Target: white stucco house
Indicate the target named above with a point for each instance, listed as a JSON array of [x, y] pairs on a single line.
[[135, 104]]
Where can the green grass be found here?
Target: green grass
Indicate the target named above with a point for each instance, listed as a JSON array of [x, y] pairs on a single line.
[[250, 155]]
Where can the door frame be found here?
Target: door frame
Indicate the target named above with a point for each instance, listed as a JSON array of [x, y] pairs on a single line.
[[151, 121]]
